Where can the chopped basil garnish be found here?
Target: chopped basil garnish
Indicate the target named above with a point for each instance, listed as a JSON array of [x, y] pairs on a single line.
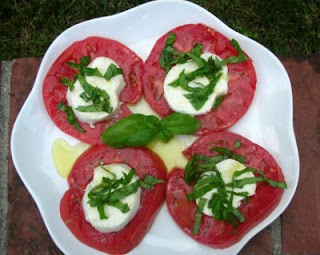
[[71, 118], [210, 69], [166, 57], [203, 173], [112, 71], [197, 220], [140, 130], [229, 154], [111, 190], [99, 98], [65, 81], [237, 144], [218, 102]]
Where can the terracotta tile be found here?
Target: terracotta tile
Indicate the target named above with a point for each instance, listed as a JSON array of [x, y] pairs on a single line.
[[26, 231], [261, 244], [301, 221]]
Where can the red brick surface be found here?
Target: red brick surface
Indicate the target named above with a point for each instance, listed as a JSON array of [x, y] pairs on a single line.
[[26, 231], [301, 221]]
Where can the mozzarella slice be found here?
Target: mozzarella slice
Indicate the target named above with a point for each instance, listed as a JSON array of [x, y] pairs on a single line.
[[116, 219], [227, 168], [175, 96], [113, 87]]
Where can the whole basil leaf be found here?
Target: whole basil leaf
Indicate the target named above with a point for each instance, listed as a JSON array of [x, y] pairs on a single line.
[[179, 123], [134, 130]]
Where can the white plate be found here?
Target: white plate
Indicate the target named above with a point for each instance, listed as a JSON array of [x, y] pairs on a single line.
[[268, 123]]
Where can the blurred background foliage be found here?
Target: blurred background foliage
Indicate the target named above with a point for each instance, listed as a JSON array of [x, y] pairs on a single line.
[[286, 27]]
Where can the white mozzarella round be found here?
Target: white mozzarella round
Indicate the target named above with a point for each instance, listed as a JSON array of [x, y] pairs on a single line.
[[175, 96], [113, 87], [227, 168], [116, 219]]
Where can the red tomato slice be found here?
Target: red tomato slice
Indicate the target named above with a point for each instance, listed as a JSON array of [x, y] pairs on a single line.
[[221, 234], [242, 77], [54, 92], [145, 162]]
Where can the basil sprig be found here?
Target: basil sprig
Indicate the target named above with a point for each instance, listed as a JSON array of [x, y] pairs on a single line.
[[139, 130], [71, 118], [203, 173], [111, 190]]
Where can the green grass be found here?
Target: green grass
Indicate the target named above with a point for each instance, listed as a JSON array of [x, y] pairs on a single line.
[[287, 27]]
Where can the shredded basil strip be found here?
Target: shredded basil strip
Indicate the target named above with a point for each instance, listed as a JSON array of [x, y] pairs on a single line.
[[101, 211], [71, 118], [100, 98], [197, 221], [109, 193], [65, 81], [218, 102], [166, 57], [124, 208], [140, 130], [229, 154], [112, 71], [237, 144]]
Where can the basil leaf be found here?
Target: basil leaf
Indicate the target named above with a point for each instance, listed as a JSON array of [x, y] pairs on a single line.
[[100, 98], [65, 81], [238, 214], [165, 135], [101, 211], [112, 71], [152, 180], [197, 165], [237, 144], [197, 221], [134, 130], [200, 192], [103, 107], [124, 208], [197, 49], [149, 181], [85, 97], [218, 101], [179, 123], [71, 118], [84, 61], [235, 59], [199, 61], [123, 192], [229, 154], [166, 56]]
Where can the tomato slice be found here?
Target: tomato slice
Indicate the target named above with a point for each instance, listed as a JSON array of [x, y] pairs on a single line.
[[145, 162], [241, 85], [54, 92], [221, 234]]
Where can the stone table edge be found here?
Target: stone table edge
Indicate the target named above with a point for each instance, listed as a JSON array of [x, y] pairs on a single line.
[[6, 71]]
